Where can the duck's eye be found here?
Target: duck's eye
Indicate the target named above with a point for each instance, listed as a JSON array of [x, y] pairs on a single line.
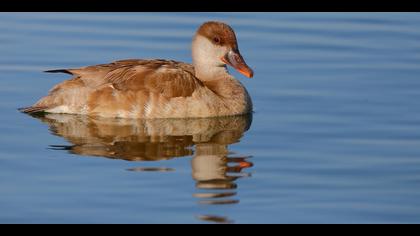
[[216, 39]]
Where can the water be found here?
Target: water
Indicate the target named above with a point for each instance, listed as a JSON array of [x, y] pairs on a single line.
[[335, 137]]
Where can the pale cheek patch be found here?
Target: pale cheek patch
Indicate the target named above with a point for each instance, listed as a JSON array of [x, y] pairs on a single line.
[[206, 53]]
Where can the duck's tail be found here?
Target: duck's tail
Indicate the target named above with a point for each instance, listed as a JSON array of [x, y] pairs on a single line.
[[67, 71], [32, 109], [49, 101]]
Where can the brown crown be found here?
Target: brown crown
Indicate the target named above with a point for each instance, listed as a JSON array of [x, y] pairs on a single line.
[[218, 33]]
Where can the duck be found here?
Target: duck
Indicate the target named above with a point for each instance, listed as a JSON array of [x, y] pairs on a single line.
[[158, 88]]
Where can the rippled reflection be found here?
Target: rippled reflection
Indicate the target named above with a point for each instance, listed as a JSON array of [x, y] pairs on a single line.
[[214, 168]]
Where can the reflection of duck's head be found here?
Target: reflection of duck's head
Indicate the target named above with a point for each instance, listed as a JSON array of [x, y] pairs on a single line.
[[143, 140], [214, 169]]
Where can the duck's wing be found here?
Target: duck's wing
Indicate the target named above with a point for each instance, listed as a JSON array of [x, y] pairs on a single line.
[[125, 73], [169, 78], [98, 84]]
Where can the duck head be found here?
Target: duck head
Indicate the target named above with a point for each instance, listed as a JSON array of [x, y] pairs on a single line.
[[214, 46]]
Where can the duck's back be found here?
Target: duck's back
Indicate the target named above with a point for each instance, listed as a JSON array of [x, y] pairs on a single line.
[[127, 88]]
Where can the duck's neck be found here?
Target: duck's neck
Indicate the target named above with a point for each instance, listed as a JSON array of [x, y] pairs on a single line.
[[210, 73]]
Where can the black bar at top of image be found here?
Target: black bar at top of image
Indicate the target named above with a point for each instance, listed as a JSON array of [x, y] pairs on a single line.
[[208, 5]]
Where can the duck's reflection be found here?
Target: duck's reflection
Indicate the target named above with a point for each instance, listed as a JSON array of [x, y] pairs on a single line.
[[216, 172], [214, 168]]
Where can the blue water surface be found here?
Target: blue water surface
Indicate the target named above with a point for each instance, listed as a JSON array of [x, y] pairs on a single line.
[[335, 136]]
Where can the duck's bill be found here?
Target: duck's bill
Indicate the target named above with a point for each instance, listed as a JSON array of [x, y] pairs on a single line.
[[235, 60]]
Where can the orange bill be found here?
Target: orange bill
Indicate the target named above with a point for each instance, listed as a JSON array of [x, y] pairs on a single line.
[[234, 59]]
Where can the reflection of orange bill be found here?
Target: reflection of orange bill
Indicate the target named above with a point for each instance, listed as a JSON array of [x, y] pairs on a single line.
[[234, 59], [244, 164]]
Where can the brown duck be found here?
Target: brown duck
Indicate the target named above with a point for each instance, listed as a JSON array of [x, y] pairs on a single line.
[[138, 88]]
